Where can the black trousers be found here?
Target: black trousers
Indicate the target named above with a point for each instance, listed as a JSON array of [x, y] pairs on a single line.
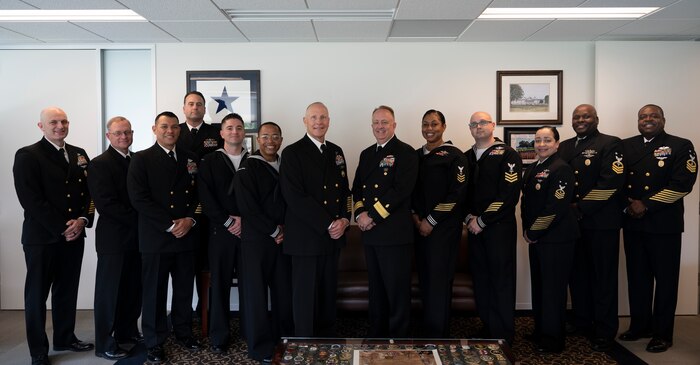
[[224, 265], [550, 266], [436, 260], [265, 267], [593, 282], [155, 271], [201, 253], [492, 261], [389, 273], [314, 287], [652, 258], [117, 298], [54, 267]]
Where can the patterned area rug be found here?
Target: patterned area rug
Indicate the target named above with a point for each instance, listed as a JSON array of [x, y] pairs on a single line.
[[577, 349]]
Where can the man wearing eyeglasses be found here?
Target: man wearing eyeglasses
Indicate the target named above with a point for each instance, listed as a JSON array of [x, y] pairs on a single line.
[[118, 279], [51, 184], [492, 194]]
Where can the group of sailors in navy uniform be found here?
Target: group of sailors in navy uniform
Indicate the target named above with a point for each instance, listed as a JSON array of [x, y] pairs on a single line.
[[198, 199]]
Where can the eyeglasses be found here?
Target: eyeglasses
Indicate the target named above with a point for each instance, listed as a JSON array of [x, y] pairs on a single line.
[[267, 137], [481, 123], [120, 133]]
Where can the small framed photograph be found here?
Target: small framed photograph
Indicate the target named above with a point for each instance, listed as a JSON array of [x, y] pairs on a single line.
[[228, 92], [529, 97], [249, 142], [522, 140]]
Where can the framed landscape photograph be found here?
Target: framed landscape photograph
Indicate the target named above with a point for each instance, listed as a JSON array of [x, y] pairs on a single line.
[[228, 92], [522, 140], [529, 97]]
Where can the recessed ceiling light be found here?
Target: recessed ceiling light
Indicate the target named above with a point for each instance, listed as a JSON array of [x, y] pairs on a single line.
[[290, 15], [565, 13], [101, 15]]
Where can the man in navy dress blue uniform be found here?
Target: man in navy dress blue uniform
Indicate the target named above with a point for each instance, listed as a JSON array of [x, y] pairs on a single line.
[[661, 170], [314, 182], [118, 278], [51, 184], [162, 188]]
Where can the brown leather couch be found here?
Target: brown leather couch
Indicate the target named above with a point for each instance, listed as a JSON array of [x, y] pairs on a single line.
[[353, 291]]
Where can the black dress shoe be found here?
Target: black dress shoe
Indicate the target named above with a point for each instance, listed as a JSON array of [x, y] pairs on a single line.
[[218, 349], [156, 354], [112, 355], [601, 344], [633, 336], [41, 360], [189, 343], [77, 346], [658, 345], [137, 338]]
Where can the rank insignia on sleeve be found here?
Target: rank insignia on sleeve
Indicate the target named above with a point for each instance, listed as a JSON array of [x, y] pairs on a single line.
[[387, 161], [82, 161], [511, 176], [339, 160], [460, 176], [617, 166], [691, 165], [560, 193]]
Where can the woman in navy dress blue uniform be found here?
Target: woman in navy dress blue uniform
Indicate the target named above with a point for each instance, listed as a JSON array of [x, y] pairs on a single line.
[[437, 196], [550, 229]]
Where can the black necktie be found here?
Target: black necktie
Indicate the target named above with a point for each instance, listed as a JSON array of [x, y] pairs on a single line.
[[379, 149], [128, 159], [323, 148], [62, 153], [194, 132], [578, 140], [172, 156]]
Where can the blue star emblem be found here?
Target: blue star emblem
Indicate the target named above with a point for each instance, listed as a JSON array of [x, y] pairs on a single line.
[[224, 101]]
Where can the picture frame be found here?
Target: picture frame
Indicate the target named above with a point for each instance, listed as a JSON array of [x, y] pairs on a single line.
[[522, 140], [249, 142], [229, 92], [529, 97]]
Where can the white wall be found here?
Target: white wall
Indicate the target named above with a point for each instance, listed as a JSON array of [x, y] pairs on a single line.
[[353, 78], [630, 75]]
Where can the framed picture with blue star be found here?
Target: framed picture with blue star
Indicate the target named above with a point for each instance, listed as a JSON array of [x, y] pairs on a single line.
[[228, 92]]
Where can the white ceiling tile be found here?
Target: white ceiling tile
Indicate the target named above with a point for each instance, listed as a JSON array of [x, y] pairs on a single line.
[[75, 4], [352, 4], [680, 10], [269, 31], [53, 32], [440, 9], [261, 4], [627, 3], [420, 39], [159, 10], [214, 30], [129, 32], [7, 36], [501, 30], [428, 28], [619, 37], [352, 30], [656, 27], [694, 31], [576, 30], [14, 5]]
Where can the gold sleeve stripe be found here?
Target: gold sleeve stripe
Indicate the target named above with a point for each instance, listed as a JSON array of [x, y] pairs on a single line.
[[359, 205], [349, 204], [198, 210], [542, 223], [668, 196], [597, 194], [91, 208], [495, 206], [380, 209], [444, 207]]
